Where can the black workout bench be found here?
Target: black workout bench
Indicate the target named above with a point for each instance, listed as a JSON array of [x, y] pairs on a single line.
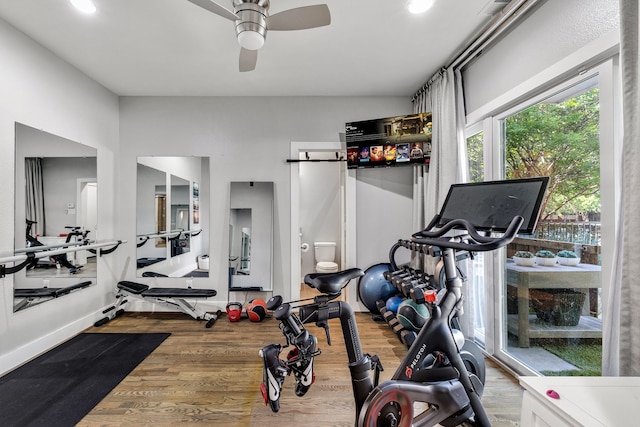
[[33, 296], [171, 297]]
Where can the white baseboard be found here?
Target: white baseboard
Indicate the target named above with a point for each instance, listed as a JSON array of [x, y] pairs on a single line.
[[27, 352]]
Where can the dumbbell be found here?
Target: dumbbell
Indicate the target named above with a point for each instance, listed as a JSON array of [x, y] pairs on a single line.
[[408, 337]]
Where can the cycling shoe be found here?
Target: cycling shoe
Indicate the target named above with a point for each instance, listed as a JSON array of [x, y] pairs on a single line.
[[273, 375], [303, 367]]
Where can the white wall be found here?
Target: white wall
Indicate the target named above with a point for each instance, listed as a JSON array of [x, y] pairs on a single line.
[[554, 31], [384, 212], [247, 139], [41, 91]]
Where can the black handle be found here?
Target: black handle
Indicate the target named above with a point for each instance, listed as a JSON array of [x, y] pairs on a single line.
[[480, 243]]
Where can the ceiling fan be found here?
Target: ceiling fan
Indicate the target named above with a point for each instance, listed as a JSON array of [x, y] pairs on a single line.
[[252, 22]]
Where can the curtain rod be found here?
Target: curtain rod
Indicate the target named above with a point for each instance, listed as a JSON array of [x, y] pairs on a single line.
[[496, 26]]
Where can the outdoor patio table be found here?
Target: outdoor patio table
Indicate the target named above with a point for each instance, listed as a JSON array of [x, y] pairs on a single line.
[[583, 276]]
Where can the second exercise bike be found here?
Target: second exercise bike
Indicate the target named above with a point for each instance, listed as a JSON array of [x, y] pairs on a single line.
[[76, 235]]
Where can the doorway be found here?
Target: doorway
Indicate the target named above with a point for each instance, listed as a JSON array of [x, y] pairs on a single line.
[[340, 204], [86, 212]]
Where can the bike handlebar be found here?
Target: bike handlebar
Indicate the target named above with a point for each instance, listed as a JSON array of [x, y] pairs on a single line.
[[479, 243]]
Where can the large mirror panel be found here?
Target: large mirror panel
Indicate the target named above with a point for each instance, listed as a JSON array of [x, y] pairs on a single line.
[[251, 235], [171, 216], [55, 207]]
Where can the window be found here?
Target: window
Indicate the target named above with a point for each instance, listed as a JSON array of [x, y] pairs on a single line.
[[560, 332], [567, 132]]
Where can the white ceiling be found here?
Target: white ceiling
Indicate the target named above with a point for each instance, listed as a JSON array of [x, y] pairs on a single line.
[[173, 47]]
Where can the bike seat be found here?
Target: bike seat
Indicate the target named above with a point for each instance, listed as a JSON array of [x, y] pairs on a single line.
[[332, 283]]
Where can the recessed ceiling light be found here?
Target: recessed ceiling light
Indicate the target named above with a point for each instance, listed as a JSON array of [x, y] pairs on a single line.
[[419, 6], [85, 6]]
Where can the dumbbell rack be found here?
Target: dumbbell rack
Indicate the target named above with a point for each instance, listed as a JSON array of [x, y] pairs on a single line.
[[411, 283], [414, 284]]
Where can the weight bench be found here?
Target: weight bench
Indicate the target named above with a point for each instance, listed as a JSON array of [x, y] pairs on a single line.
[[171, 297], [33, 296]]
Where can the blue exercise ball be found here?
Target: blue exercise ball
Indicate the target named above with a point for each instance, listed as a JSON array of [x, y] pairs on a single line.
[[412, 315], [393, 303], [373, 287]]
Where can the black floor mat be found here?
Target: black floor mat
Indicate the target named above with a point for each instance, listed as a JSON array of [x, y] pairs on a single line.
[[61, 386]]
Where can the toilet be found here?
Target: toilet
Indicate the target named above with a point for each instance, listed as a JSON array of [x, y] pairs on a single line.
[[325, 253]]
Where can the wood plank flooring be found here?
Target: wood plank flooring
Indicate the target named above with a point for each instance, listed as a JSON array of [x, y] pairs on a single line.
[[212, 377]]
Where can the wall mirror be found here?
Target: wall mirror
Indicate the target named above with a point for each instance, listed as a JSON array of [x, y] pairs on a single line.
[[172, 212], [55, 205], [251, 235]]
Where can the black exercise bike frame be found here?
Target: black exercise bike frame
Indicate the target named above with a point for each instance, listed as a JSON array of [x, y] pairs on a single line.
[[452, 395]]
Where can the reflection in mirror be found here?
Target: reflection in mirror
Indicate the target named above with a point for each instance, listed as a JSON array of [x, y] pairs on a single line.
[[251, 235], [180, 195], [171, 214], [55, 207], [151, 211], [240, 241]]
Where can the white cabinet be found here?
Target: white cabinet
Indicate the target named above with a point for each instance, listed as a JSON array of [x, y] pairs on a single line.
[[582, 401]]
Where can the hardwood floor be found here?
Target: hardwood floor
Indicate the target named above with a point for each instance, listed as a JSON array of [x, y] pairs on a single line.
[[212, 376]]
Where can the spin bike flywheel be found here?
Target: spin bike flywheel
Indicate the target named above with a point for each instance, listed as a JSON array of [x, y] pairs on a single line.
[[389, 407], [474, 362]]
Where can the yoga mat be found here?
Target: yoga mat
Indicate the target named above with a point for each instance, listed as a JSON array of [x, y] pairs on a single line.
[[61, 386]]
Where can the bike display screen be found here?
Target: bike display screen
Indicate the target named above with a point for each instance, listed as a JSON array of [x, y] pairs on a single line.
[[491, 205]]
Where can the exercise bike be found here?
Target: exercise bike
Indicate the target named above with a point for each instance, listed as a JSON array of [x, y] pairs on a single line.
[[61, 259], [432, 372], [433, 384]]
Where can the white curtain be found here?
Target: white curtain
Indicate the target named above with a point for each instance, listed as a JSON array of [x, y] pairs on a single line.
[[34, 208], [621, 344], [443, 97]]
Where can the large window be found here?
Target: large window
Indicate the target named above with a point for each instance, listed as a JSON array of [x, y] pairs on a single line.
[[553, 311], [547, 319]]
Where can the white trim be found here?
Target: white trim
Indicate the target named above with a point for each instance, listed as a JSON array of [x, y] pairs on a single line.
[[548, 92], [32, 349]]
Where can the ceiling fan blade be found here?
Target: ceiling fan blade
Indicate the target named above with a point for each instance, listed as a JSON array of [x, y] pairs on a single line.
[[300, 18], [248, 59], [216, 8]]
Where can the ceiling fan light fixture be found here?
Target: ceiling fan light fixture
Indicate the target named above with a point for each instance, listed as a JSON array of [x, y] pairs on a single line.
[[419, 6], [84, 6], [251, 40], [251, 26]]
